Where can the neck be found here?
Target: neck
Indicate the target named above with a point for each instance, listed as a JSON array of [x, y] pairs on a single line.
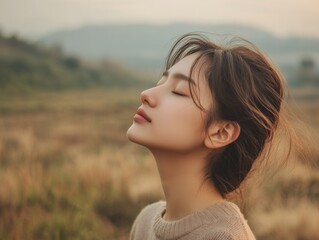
[[184, 185]]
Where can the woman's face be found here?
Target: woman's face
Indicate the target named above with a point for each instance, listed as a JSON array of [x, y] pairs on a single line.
[[168, 119]]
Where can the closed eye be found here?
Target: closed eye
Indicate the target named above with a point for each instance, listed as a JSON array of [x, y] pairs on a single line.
[[179, 94]]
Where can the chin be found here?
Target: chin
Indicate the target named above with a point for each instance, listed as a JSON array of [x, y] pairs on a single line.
[[129, 133], [133, 137]]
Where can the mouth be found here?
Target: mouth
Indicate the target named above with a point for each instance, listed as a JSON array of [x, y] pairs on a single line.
[[141, 116]]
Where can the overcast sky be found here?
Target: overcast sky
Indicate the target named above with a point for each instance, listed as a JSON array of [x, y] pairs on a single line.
[[34, 18]]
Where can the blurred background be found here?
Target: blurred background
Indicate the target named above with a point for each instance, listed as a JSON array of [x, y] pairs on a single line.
[[70, 76]]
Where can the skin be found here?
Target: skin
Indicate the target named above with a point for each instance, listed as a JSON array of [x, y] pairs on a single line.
[[177, 138]]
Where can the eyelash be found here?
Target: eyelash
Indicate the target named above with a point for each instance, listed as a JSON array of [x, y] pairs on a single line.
[[178, 94]]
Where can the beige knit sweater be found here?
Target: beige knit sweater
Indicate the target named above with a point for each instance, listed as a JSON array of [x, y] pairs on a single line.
[[222, 221]]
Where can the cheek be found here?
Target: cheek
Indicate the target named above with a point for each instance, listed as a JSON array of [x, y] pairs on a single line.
[[188, 120], [182, 126]]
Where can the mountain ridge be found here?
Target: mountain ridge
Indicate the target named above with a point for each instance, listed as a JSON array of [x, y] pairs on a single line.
[[146, 45], [25, 66]]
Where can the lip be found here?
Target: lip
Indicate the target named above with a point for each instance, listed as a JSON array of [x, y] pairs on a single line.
[[141, 116]]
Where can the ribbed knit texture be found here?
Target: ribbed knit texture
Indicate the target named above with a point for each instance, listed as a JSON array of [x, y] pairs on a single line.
[[219, 221]]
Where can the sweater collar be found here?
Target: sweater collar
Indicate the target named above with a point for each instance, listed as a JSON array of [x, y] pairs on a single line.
[[175, 229]]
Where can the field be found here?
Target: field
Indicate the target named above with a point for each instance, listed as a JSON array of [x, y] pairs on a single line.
[[67, 171]]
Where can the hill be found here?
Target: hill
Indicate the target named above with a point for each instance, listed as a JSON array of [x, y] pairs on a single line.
[[145, 46], [26, 66]]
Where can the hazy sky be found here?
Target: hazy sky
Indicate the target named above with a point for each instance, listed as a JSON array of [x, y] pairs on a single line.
[[34, 18]]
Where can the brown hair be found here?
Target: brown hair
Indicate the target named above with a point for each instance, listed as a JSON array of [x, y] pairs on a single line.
[[246, 89]]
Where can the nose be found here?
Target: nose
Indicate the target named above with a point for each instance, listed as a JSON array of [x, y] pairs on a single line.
[[148, 98]]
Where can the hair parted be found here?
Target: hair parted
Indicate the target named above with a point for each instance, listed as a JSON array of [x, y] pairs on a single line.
[[247, 89]]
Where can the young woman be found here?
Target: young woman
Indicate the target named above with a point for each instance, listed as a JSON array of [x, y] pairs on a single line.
[[206, 122]]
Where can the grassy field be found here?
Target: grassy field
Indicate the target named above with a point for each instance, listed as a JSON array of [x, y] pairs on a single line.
[[67, 171]]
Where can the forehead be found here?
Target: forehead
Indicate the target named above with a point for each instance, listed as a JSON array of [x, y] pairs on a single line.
[[184, 66]]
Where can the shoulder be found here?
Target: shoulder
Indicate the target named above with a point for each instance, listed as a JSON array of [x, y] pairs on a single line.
[[150, 211], [144, 220]]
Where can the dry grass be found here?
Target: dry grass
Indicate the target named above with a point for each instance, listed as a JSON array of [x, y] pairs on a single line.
[[286, 206], [68, 172], [66, 168]]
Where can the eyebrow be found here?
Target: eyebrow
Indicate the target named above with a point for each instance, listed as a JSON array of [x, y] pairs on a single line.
[[180, 76]]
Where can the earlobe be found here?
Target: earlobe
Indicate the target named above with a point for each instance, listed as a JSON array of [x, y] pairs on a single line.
[[221, 134]]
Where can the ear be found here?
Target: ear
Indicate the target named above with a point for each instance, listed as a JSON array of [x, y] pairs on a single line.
[[222, 133]]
